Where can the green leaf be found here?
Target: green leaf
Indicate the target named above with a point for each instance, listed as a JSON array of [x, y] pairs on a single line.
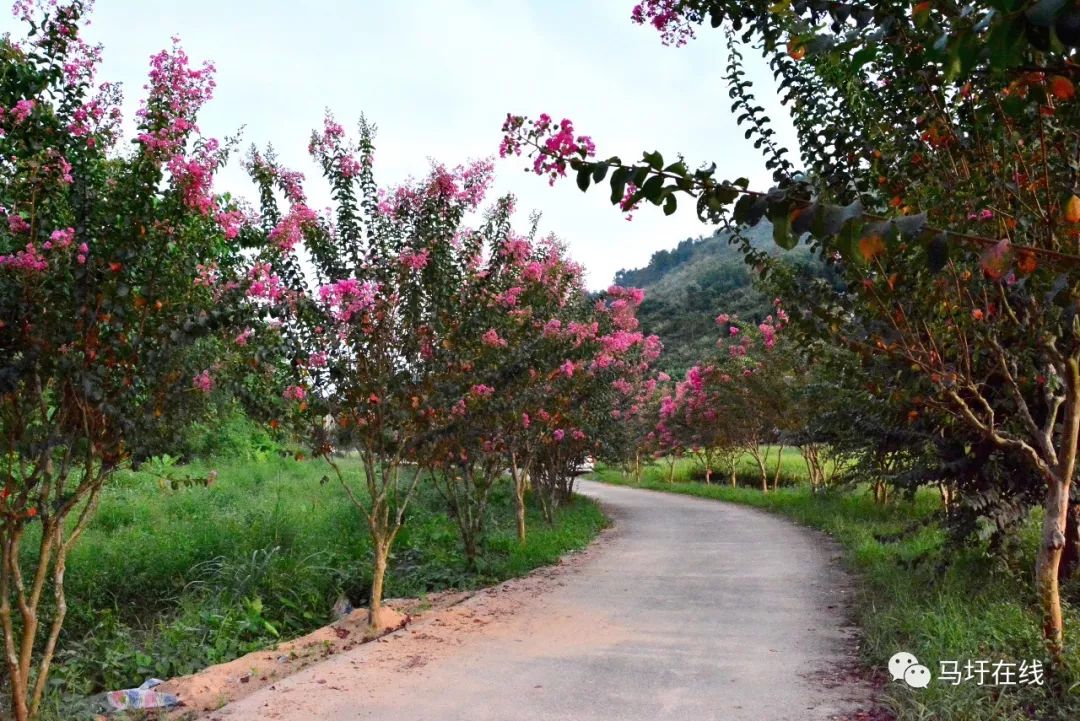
[[654, 159], [781, 222], [583, 177], [670, 204], [618, 184], [599, 172], [653, 189]]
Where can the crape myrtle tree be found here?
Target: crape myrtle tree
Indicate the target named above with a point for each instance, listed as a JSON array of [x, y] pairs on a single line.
[[734, 402], [632, 425], [362, 294], [497, 344], [109, 338], [938, 176], [602, 359]]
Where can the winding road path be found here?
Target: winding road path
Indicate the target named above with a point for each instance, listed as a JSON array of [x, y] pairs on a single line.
[[686, 609]]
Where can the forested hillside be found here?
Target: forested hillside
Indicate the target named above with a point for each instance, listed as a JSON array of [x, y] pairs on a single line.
[[688, 286]]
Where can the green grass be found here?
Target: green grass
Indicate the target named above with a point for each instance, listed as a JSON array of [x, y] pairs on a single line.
[[688, 468], [918, 595], [166, 581]]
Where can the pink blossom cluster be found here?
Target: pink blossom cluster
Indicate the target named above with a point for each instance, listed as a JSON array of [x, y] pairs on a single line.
[[348, 297], [554, 143], [207, 275], [28, 259], [414, 260], [464, 185], [515, 250], [231, 222], [264, 283], [203, 382], [492, 339], [510, 296], [481, 391], [266, 167], [176, 92], [666, 16], [294, 393], [287, 234], [331, 150], [194, 176], [628, 203]]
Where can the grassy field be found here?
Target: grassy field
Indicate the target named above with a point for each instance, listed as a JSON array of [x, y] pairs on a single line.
[[169, 580], [918, 595]]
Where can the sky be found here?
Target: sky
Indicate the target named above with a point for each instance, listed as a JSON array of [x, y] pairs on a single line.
[[438, 77]]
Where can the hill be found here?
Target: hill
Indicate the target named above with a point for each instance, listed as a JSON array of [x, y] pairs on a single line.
[[688, 286]]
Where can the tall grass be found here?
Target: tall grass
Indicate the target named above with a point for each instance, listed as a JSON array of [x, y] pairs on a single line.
[[170, 579]]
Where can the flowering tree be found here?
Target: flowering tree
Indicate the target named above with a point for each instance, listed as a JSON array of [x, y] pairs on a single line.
[[604, 357], [736, 401], [507, 290], [954, 223], [109, 337], [363, 295]]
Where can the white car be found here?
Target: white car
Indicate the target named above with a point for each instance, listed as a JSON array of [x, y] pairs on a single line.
[[585, 465]]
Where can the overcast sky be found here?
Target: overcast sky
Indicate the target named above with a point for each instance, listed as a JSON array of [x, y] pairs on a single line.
[[438, 77]]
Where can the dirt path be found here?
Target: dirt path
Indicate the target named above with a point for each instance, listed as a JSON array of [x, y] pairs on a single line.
[[688, 609]]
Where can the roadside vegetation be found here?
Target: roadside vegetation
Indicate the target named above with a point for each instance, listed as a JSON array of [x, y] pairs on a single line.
[[176, 573]]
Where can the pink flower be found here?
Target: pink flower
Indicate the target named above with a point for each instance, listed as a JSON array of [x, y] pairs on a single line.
[[733, 331], [558, 434], [203, 382], [63, 238], [510, 297], [22, 109], [296, 393], [348, 297], [481, 391], [16, 224], [264, 283], [491, 338], [317, 360], [567, 368], [722, 319], [414, 261], [290, 231], [29, 260], [525, 420]]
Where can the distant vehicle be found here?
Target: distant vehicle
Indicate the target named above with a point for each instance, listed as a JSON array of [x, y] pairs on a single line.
[[585, 465]]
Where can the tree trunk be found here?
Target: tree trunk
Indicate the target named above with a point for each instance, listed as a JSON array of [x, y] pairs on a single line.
[[1070, 555], [376, 612], [776, 476], [1047, 563], [671, 472], [756, 453], [734, 480], [518, 476], [519, 502]]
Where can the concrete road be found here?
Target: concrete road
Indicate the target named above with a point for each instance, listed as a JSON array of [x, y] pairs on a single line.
[[687, 610]]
